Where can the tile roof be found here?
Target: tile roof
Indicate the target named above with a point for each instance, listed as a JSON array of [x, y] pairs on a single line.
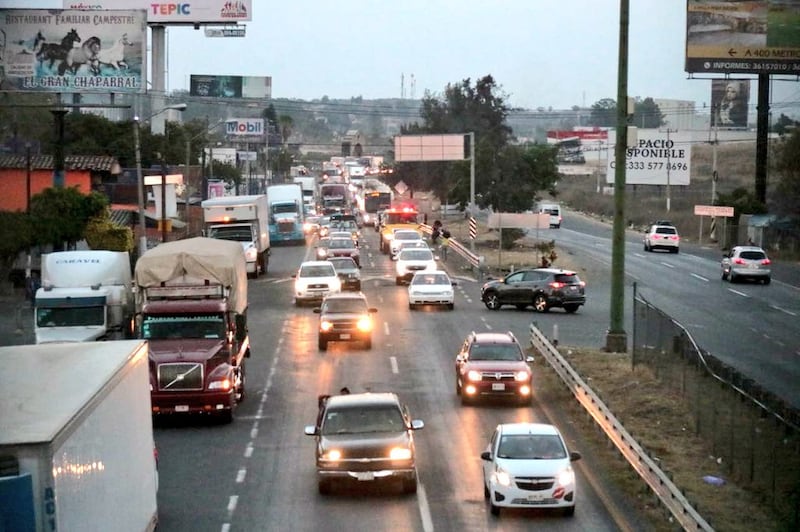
[[102, 163]]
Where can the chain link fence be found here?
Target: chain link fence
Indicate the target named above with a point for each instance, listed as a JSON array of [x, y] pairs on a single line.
[[752, 431]]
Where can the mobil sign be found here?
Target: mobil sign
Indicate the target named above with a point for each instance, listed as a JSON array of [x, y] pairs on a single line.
[[244, 127]]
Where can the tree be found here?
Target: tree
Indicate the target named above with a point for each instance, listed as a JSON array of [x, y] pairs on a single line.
[[785, 196], [16, 235], [60, 215], [784, 125], [646, 115], [286, 124], [102, 233], [604, 113]]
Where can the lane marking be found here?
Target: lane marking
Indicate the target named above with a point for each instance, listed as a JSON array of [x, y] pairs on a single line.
[[386, 328], [668, 265], [248, 451], [738, 293], [393, 363], [424, 508], [698, 277], [232, 502], [789, 312], [241, 475]]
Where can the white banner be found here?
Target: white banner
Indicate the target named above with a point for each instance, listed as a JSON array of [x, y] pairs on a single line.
[[658, 158]]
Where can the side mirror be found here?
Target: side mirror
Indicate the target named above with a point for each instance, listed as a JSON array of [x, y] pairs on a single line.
[[310, 430], [485, 455], [417, 424], [373, 310], [453, 283], [574, 456], [317, 310]]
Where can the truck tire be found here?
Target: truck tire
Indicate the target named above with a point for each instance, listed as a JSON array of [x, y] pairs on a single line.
[[241, 385]]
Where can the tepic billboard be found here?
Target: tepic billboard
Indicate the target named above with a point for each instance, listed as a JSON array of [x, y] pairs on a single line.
[[73, 51], [230, 86], [755, 37], [195, 12]]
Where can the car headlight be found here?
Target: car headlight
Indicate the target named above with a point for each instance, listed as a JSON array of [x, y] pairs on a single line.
[[334, 455], [566, 477], [322, 253], [473, 375], [522, 376], [388, 238], [501, 477], [251, 254], [336, 285], [325, 326], [400, 453], [223, 384], [299, 286], [364, 324]]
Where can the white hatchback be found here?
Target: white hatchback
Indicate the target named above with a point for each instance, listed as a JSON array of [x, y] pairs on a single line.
[[527, 465], [412, 260], [431, 288], [315, 280]]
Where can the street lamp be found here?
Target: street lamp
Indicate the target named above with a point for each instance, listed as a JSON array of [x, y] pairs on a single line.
[[139, 178]]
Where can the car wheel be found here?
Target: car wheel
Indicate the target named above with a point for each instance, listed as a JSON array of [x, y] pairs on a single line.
[[767, 280], [731, 277], [451, 306], [486, 493], [724, 275], [675, 251], [322, 344], [570, 309], [569, 511], [540, 303], [492, 302], [324, 486], [645, 247], [410, 485], [368, 344], [412, 306], [464, 399], [494, 509], [242, 381]]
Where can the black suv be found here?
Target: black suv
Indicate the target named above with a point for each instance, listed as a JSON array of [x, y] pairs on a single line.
[[365, 437], [345, 316], [542, 288], [348, 271]]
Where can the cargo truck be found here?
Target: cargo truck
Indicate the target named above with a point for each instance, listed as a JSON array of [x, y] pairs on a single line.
[[243, 219], [308, 184], [191, 303], [76, 438], [84, 296], [286, 213]]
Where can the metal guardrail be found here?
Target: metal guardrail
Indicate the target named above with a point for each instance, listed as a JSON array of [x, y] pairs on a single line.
[[476, 261], [669, 494]]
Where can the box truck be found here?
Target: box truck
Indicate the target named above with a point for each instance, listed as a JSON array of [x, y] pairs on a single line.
[[286, 213], [76, 438], [84, 296], [191, 305], [243, 219]]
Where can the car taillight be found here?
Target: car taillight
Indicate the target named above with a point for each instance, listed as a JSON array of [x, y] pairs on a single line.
[[674, 237], [556, 285], [765, 262], [737, 260]]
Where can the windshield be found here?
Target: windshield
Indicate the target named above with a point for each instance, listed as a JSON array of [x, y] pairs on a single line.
[[236, 233], [416, 254], [70, 317], [495, 352], [430, 279], [343, 264], [407, 235], [341, 243], [356, 306], [363, 420], [322, 270], [531, 447], [400, 218], [281, 208], [180, 326]]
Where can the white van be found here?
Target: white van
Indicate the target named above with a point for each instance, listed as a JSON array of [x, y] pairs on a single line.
[[554, 210]]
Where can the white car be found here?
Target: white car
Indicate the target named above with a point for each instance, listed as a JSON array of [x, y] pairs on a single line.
[[527, 465], [663, 237], [410, 261], [403, 235], [315, 280], [406, 244], [431, 288]]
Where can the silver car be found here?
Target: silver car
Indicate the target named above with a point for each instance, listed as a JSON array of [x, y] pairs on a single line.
[[746, 262]]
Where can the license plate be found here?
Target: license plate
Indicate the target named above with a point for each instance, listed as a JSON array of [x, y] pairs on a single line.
[[498, 386], [344, 336], [182, 408], [535, 497], [365, 475]]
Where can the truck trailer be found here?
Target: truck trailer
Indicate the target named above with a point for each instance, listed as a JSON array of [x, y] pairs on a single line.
[[286, 213], [76, 438], [84, 296], [243, 219], [191, 304]]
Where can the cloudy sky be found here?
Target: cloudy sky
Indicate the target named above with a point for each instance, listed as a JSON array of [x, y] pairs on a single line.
[[544, 53]]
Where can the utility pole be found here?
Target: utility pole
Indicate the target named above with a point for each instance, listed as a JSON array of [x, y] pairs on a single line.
[[616, 339]]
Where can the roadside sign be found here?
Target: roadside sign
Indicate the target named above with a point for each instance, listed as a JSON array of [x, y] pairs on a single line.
[[231, 31], [401, 187], [713, 210], [473, 228]]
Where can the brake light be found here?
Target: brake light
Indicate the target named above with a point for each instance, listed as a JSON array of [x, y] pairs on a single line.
[[737, 260], [556, 285], [765, 262]]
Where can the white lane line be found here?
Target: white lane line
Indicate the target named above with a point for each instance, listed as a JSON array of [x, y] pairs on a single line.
[[254, 431], [225, 527], [738, 293], [668, 265], [393, 362], [232, 502], [248, 451], [241, 475], [486, 324], [424, 509], [698, 277], [789, 312], [386, 328]]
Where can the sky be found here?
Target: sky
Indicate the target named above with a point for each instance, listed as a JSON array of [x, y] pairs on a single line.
[[542, 53]]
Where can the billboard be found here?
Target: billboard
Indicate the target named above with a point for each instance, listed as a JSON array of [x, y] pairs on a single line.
[[429, 147], [230, 86], [57, 50], [195, 12], [730, 100], [244, 127], [754, 37], [658, 158]]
